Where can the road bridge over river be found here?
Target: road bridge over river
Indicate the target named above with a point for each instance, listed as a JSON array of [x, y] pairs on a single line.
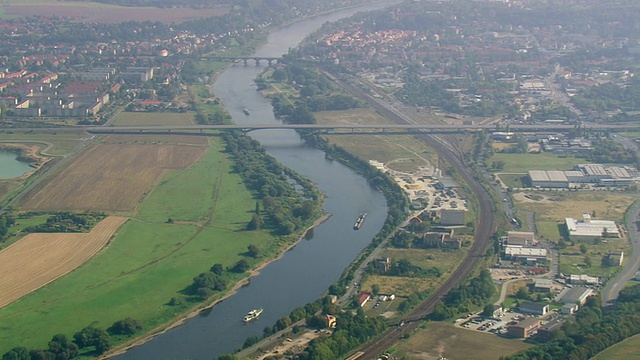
[[337, 129], [257, 59]]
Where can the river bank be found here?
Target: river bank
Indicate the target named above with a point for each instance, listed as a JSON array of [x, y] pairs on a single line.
[[197, 310]]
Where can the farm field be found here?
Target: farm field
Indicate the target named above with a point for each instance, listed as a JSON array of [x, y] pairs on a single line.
[[442, 339], [104, 13], [150, 261], [629, 349], [39, 259], [110, 177], [153, 118]]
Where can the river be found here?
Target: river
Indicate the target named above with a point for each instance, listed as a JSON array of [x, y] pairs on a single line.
[[307, 270]]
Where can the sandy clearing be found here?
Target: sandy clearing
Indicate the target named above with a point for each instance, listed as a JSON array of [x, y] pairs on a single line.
[[39, 258]]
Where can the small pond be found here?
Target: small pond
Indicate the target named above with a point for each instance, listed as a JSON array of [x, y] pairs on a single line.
[[10, 167]]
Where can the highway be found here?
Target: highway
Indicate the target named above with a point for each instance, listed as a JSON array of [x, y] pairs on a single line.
[[362, 127]]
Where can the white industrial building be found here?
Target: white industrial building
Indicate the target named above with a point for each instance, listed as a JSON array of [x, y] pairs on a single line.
[[583, 279], [548, 179], [577, 295], [588, 229], [602, 175], [530, 256]]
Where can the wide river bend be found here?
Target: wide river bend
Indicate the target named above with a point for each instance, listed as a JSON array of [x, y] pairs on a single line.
[[307, 270]]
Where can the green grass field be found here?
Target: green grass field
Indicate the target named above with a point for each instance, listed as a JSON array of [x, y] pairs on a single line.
[[148, 262], [548, 230], [63, 142], [522, 163], [628, 349], [513, 180], [385, 149], [21, 224]]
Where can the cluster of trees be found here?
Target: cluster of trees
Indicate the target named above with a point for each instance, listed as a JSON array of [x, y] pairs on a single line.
[[205, 284], [351, 331], [289, 199], [316, 93], [6, 221], [404, 240], [412, 301], [609, 97], [550, 111], [608, 151], [90, 341], [592, 331], [404, 267], [433, 93], [66, 222], [459, 300]]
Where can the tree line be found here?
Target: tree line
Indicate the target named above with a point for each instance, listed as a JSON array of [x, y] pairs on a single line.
[[461, 299], [90, 341], [315, 93], [289, 200]]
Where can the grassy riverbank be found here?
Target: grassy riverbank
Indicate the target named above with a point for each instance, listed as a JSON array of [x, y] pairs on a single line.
[[149, 261]]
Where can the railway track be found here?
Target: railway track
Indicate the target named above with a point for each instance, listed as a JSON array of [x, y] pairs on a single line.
[[482, 237]]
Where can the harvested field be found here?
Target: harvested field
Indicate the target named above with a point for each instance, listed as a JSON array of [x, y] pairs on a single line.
[[39, 259], [103, 13], [110, 177]]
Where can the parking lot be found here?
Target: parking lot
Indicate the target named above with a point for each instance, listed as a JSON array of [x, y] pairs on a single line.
[[496, 326]]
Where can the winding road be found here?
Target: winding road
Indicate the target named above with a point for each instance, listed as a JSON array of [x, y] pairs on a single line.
[[614, 285]]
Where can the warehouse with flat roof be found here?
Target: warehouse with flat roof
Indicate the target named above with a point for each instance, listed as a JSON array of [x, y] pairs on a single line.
[[548, 179], [589, 229]]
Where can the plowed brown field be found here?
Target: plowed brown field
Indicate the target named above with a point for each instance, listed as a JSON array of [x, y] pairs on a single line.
[[38, 259], [110, 177]]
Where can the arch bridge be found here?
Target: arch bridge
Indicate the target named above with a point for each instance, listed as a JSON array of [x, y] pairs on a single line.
[[256, 59]]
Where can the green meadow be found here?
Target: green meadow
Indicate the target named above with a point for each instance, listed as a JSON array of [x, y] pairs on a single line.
[[522, 163], [149, 261]]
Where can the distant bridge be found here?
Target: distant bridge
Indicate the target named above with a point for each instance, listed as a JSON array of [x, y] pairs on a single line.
[[245, 60], [337, 129]]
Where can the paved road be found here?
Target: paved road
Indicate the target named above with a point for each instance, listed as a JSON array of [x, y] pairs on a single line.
[[613, 287], [401, 126], [503, 290]]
